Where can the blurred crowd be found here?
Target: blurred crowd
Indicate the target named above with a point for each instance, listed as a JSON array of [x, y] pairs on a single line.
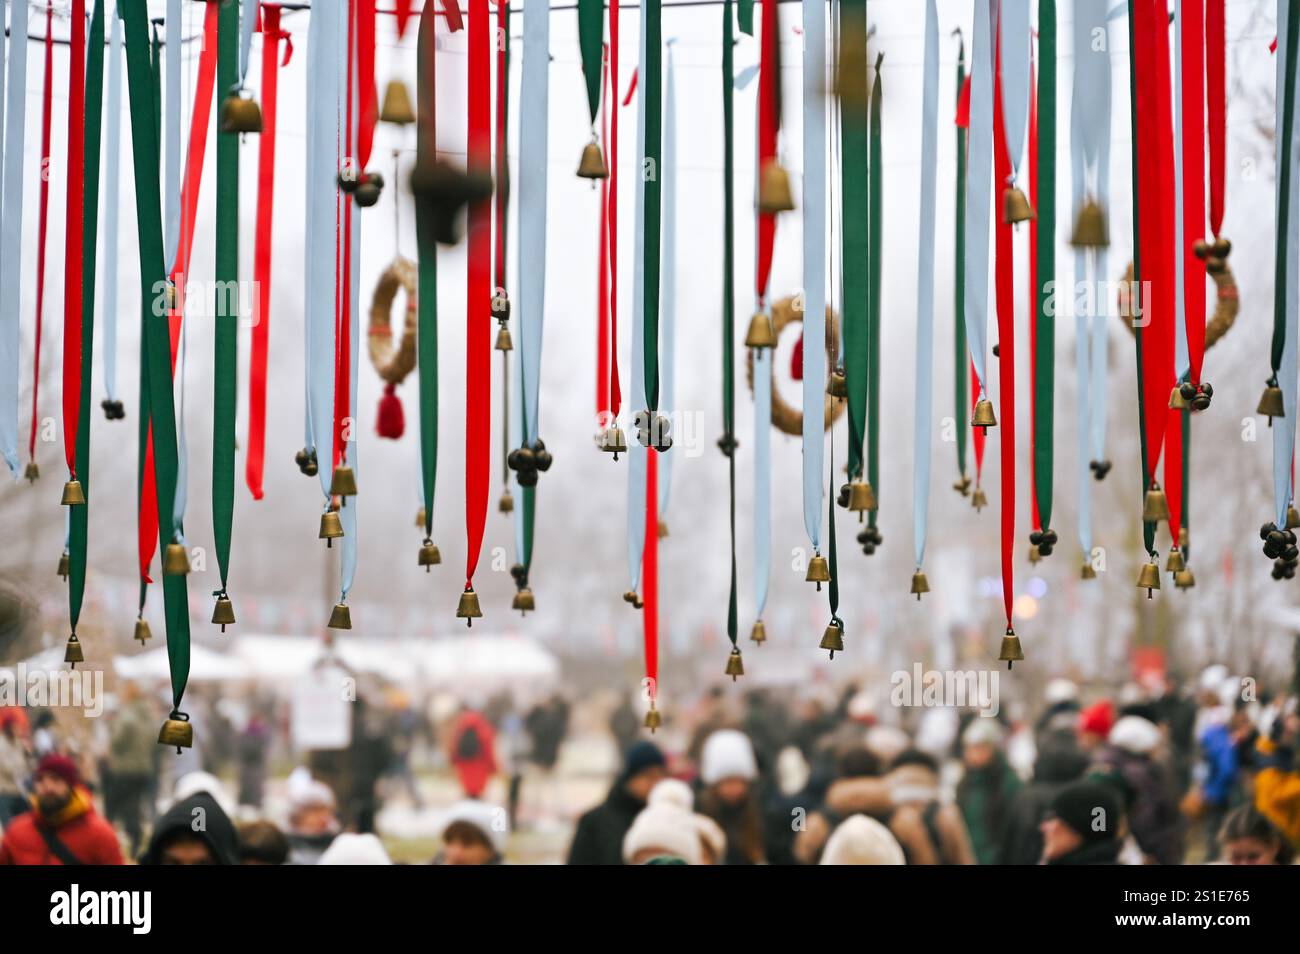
[[1158, 773]]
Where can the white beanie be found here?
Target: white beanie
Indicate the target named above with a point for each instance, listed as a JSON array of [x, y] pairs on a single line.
[[350, 849], [886, 742], [1060, 690], [491, 820], [667, 829], [861, 840], [727, 754], [672, 791], [1212, 677], [1135, 734], [983, 731]]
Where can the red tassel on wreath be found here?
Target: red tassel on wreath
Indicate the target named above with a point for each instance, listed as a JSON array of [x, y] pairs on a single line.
[[391, 422]]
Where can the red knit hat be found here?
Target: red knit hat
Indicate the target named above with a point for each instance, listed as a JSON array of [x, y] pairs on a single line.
[[1097, 718], [60, 766]]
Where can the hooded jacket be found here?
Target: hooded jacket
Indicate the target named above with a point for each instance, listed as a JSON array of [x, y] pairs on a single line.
[[83, 832], [185, 816]]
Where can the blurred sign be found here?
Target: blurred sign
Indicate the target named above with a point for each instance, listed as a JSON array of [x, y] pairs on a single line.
[[321, 713]]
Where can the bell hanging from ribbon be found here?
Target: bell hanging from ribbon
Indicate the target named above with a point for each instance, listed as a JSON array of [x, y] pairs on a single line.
[[1175, 562], [65, 565], [72, 653], [1184, 579], [819, 571], [979, 500], [774, 189], [633, 599], [1015, 206], [837, 385], [396, 108], [504, 342], [343, 482], [983, 416], [368, 189], [861, 496], [419, 517], [1088, 572], [761, 333], [1271, 404], [1090, 229], [1155, 506], [613, 441], [331, 527], [223, 614], [1177, 400], [833, 638], [340, 616], [592, 165], [142, 632], [507, 502], [759, 633], [1292, 516], [963, 486], [429, 555], [1149, 577], [176, 562], [1011, 651], [177, 732], [653, 720], [468, 608], [919, 585], [240, 114], [735, 665], [523, 601], [73, 495], [32, 472]]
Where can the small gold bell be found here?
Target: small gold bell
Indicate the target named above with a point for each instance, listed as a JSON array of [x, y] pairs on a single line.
[[1176, 400], [1090, 229], [223, 614], [837, 385], [774, 189], [32, 472], [65, 565], [507, 502], [504, 342], [1155, 506], [73, 495], [1011, 652], [1015, 207], [761, 333], [240, 114], [735, 666], [1292, 517], [176, 562], [1184, 579], [1034, 555], [962, 486], [468, 608], [592, 165], [72, 653], [979, 500], [177, 731], [919, 585], [1149, 577], [1175, 562], [614, 441], [429, 555], [1271, 404], [653, 719], [523, 601], [759, 633], [663, 529], [331, 527], [833, 638], [1182, 538], [861, 496], [340, 616], [819, 571], [983, 416], [396, 108], [630, 597], [343, 482], [419, 517], [142, 632], [1088, 572]]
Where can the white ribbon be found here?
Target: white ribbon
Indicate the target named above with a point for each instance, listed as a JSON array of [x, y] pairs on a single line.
[[534, 93], [247, 26], [925, 284], [172, 134], [762, 476], [112, 153], [1284, 429], [636, 472], [668, 274], [1013, 29], [979, 180], [814, 264], [14, 116]]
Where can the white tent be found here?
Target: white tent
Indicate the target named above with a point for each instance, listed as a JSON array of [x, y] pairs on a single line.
[[205, 666]]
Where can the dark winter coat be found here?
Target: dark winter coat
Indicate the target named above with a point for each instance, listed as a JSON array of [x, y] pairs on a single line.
[[1098, 853], [985, 797], [215, 829], [1153, 815], [598, 839], [1059, 763]]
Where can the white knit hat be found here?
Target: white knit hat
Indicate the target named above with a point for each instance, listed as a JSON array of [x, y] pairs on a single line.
[[350, 849], [983, 731], [667, 829], [1060, 690], [1135, 734], [727, 754], [491, 820], [861, 840]]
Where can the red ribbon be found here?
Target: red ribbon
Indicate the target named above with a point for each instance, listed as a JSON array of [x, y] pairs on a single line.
[[978, 437], [402, 10], [44, 220], [1031, 159], [478, 338], [367, 102], [1193, 133], [500, 195], [769, 120], [1004, 284], [451, 11], [257, 359], [72, 283], [602, 269], [650, 573], [1216, 99]]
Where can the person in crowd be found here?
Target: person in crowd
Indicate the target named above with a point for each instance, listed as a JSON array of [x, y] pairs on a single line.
[[474, 833], [194, 831], [624, 724], [473, 752], [513, 745], [15, 760], [262, 843], [1062, 709], [313, 819], [548, 724], [1131, 756], [1277, 781], [861, 840], [133, 746], [598, 838], [1215, 789], [729, 775], [1095, 723], [1059, 763], [668, 829], [1084, 825], [987, 789], [251, 754], [1248, 838], [62, 827], [355, 849]]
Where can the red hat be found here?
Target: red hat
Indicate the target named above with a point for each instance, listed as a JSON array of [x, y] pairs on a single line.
[[60, 766], [1097, 718]]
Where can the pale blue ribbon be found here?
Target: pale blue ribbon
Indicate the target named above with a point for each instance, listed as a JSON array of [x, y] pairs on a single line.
[[247, 26], [979, 179], [668, 275], [534, 92], [13, 118], [762, 475], [1014, 32], [172, 134], [112, 153], [636, 471], [925, 284], [814, 264], [1284, 429]]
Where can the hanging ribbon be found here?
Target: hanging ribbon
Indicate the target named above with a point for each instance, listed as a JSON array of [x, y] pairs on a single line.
[[650, 607], [855, 139], [668, 280], [41, 233], [366, 99], [427, 306], [346, 158], [1014, 52], [875, 232], [112, 175], [728, 442], [604, 354], [615, 388], [1286, 293], [350, 306], [979, 188], [11, 229], [1043, 268], [171, 128], [961, 361], [814, 263], [1216, 107], [73, 343], [1189, 190], [925, 283], [591, 35], [651, 75]]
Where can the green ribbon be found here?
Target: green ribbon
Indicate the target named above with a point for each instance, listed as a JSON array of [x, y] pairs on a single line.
[[728, 442], [875, 202], [144, 148], [227, 303], [591, 45], [1045, 321], [854, 241], [745, 12], [427, 301], [79, 516], [1284, 190], [652, 89], [961, 359]]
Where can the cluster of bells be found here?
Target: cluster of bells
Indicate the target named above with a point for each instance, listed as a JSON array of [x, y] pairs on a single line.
[[1280, 545], [343, 484], [1041, 543], [366, 187], [523, 600], [979, 499], [306, 461], [114, 410], [527, 462]]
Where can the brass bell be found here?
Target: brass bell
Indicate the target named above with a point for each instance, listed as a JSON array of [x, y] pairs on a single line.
[[1090, 229], [862, 496], [774, 189], [833, 638], [1015, 207], [419, 517], [1175, 562], [507, 502], [979, 500], [653, 719], [614, 441], [396, 107], [819, 571], [343, 482], [1270, 404], [1011, 652], [592, 165], [735, 666], [630, 597], [919, 585], [1292, 517], [142, 632], [73, 495], [468, 608], [1149, 577], [962, 486], [523, 601], [65, 565], [1034, 555], [837, 385], [32, 472], [1176, 400], [1155, 506], [177, 731], [1184, 579], [240, 114], [340, 616], [331, 527], [663, 529], [1088, 573], [983, 416], [504, 342], [761, 333], [429, 555], [1183, 538], [223, 614], [759, 633], [72, 653], [176, 562]]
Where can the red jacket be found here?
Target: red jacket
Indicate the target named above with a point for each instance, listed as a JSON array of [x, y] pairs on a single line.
[[87, 836], [474, 771]]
